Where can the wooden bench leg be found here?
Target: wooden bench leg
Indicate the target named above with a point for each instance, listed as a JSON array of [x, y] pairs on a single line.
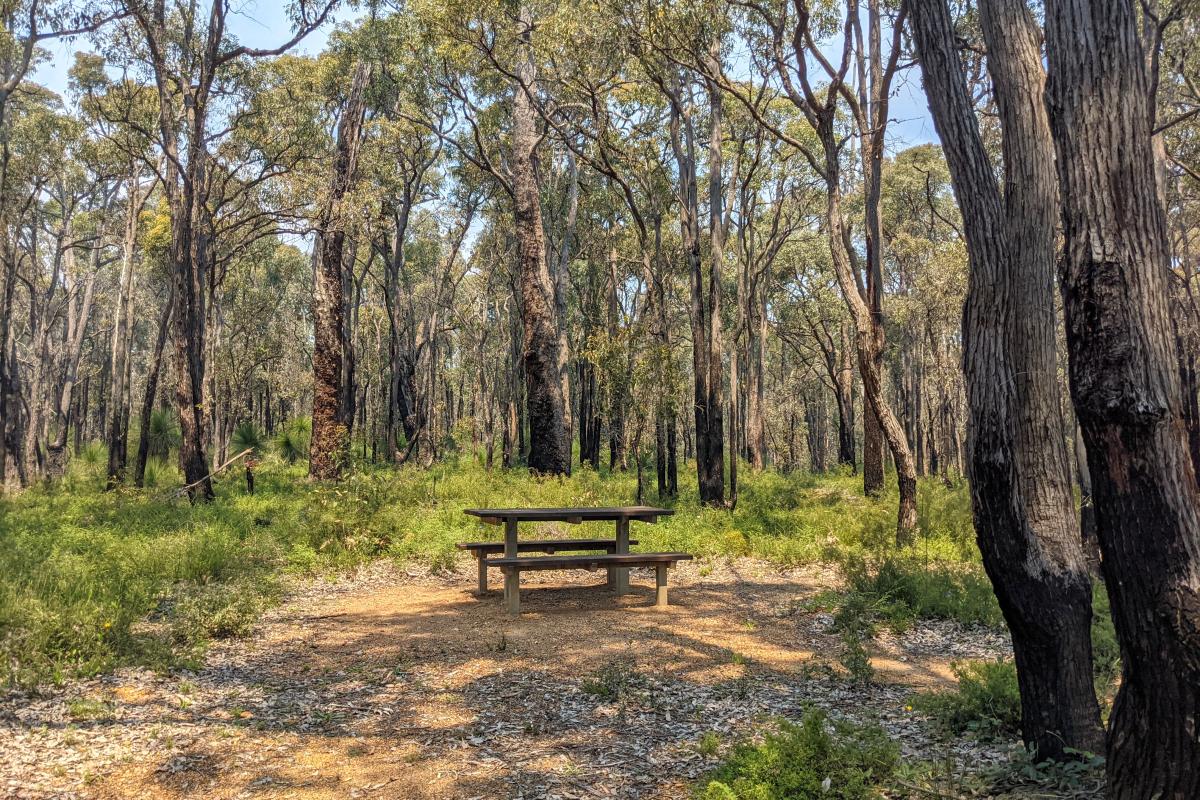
[[482, 573], [660, 584], [512, 591], [621, 576]]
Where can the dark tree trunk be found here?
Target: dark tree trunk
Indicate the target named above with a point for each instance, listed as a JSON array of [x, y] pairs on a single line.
[[1126, 390], [1020, 485], [549, 434], [710, 435], [329, 449], [160, 342]]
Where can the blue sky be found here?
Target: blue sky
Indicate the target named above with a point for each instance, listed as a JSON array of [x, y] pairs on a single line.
[[254, 23], [264, 24]]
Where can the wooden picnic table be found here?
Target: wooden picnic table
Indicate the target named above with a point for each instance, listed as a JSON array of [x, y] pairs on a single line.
[[621, 515]]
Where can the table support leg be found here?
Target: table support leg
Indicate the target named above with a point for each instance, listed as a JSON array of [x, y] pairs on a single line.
[[482, 559], [512, 592], [660, 585], [621, 574]]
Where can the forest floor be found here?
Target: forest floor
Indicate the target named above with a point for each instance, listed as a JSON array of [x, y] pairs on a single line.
[[394, 681]]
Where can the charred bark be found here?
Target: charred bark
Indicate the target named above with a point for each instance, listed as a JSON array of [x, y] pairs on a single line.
[[329, 449], [1020, 484], [1126, 390]]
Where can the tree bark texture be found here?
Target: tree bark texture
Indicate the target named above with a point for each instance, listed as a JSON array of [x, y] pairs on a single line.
[[549, 434], [329, 448], [1020, 482], [1126, 390]]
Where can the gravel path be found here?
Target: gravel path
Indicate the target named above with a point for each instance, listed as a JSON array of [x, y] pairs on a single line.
[[396, 683]]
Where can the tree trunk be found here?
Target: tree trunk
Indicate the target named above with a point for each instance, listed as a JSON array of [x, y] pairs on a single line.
[[1126, 390], [329, 449], [122, 337], [549, 435], [148, 398], [1020, 484]]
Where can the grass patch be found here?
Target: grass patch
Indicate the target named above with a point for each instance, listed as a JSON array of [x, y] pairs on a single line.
[[900, 588], [818, 758], [82, 570], [986, 702]]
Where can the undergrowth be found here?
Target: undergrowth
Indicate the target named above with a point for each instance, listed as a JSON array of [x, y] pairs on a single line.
[[91, 579], [817, 758], [986, 701]]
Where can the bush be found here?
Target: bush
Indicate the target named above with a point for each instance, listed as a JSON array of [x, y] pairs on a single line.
[[808, 760], [986, 702], [611, 681], [901, 588], [219, 611], [80, 567], [1106, 651]]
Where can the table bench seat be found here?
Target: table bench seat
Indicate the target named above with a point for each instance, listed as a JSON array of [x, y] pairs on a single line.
[[660, 562], [544, 545], [615, 550], [481, 550]]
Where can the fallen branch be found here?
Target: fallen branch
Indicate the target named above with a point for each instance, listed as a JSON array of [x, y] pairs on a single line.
[[181, 491]]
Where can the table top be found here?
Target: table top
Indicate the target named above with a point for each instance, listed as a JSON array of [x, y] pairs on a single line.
[[572, 515]]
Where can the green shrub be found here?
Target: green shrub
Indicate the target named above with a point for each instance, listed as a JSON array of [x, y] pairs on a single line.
[[219, 610], [610, 681], [901, 588], [162, 433], [291, 443], [80, 566], [1106, 651], [986, 702], [246, 436], [815, 759]]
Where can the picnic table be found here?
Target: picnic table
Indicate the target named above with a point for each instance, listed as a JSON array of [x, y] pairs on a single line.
[[617, 559]]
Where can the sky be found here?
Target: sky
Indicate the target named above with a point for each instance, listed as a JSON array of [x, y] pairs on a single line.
[[261, 23], [253, 23]]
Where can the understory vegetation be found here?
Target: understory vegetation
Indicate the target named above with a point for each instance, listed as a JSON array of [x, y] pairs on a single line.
[[815, 759], [94, 578]]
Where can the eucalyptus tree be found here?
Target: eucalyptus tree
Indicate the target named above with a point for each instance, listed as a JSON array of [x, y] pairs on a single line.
[[1020, 485], [491, 72], [119, 112], [194, 63], [785, 46], [659, 33], [1126, 388], [926, 262], [26, 26]]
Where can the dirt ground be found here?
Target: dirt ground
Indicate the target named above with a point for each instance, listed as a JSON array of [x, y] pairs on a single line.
[[395, 684]]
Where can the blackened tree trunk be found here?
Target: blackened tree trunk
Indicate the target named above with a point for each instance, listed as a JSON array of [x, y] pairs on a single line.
[[1020, 483], [160, 341], [710, 435], [549, 434], [122, 337], [1126, 390], [329, 449]]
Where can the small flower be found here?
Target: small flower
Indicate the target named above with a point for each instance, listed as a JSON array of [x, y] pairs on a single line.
[[107, 625], [908, 708]]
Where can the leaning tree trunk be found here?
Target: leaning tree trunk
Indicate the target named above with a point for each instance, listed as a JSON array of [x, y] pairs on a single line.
[[1126, 390], [122, 340], [160, 341], [549, 435], [1020, 481], [329, 448], [869, 345]]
